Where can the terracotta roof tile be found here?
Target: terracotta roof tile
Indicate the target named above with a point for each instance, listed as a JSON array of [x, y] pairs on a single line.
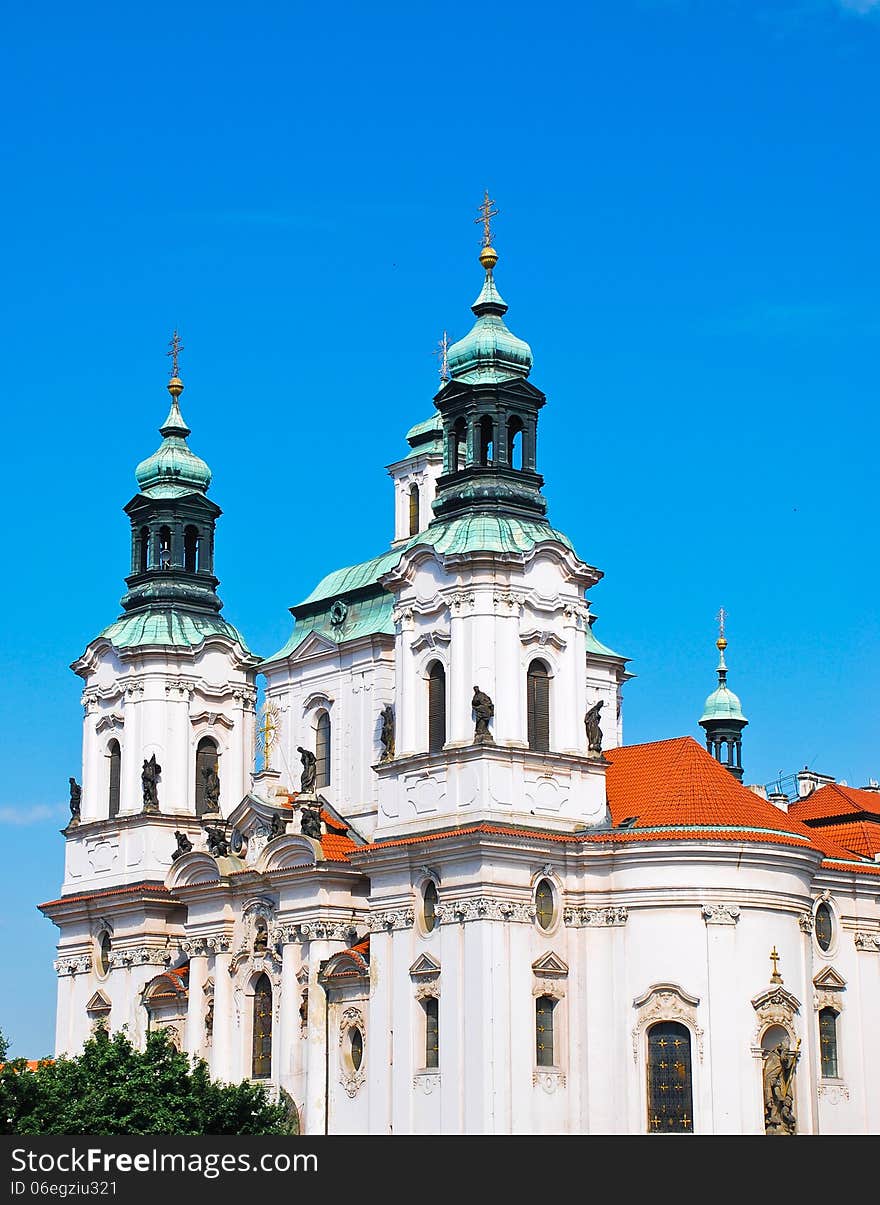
[[835, 800], [859, 836], [130, 889]]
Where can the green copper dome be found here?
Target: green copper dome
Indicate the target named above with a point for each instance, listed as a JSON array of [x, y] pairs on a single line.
[[489, 352], [173, 469], [723, 704]]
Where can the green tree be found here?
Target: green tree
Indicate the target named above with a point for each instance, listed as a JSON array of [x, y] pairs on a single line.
[[4, 1045], [112, 1088]]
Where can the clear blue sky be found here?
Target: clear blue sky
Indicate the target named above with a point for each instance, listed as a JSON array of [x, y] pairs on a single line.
[[688, 240]]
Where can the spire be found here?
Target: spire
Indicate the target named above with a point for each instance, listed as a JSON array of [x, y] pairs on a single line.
[[722, 717], [173, 469]]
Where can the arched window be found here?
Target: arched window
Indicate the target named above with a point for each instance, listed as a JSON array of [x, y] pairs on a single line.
[[487, 441], [262, 1045], [544, 1006], [515, 443], [824, 926], [458, 447], [436, 707], [191, 548], [144, 550], [104, 947], [164, 547], [432, 1031], [670, 1087], [413, 509], [544, 904], [828, 1042], [115, 753], [355, 1047], [322, 750], [206, 762], [429, 910], [538, 706]]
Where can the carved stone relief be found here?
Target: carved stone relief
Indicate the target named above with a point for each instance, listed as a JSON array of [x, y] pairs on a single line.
[[666, 1002]]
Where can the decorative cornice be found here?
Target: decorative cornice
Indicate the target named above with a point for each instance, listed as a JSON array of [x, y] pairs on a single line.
[[392, 918], [806, 922], [76, 965], [589, 918], [139, 956], [485, 908], [720, 914], [867, 941], [313, 930]]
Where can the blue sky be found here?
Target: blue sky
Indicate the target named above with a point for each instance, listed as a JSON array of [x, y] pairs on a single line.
[[688, 240]]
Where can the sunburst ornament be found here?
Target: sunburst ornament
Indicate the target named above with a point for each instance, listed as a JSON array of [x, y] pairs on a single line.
[[267, 733]]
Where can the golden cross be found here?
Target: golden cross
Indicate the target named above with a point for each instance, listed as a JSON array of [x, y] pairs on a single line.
[[721, 617], [487, 213], [176, 348], [267, 732], [442, 353], [774, 958]]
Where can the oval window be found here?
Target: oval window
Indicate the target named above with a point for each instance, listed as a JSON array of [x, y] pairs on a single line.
[[823, 926], [429, 909], [544, 904], [104, 947], [356, 1048]]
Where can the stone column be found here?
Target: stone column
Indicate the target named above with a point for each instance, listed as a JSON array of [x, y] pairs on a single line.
[[317, 1054], [289, 1023], [224, 1011], [196, 1007]]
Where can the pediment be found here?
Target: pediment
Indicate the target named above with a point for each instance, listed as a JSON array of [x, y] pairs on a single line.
[[542, 638], [99, 1004], [289, 853], [777, 997], [314, 645], [210, 718], [431, 640], [828, 980], [548, 965], [424, 966], [114, 720], [191, 870]]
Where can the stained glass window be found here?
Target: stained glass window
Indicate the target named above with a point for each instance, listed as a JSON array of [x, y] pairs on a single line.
[[828, 1041], [670, 1090], [823, 926], [262, 1047], [430, 907], [544, 1006], [432, 1032], [544, 904]]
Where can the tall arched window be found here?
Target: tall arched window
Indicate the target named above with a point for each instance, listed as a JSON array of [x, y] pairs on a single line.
[[544, 904], [322, 750], [144, 550], [413, 509], [828, 1042], [432, 1031], [670, 1087], [544, 1006], [105, 945], [206, 761], [458, 448], [538, 706], [515, 443], [115, 778], [487, 441], [436, 707], [191, 548], [262, 1045]]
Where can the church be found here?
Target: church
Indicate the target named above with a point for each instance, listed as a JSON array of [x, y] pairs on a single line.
[[426, 887]]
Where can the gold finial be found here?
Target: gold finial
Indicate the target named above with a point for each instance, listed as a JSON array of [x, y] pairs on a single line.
[[721, 643], [442, 354], [488, 256], [175, 385], [774, 958]]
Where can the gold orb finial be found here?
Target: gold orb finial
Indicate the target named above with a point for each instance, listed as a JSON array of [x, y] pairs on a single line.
[[175, 387], [488, 258], [721, 644], [175, 347]]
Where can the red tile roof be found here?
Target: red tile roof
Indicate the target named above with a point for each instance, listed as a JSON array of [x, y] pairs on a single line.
[[836, 800], [335, 841], [130, 889], [857, 835]]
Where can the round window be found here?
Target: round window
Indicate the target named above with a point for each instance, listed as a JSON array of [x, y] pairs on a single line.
[[429, 907], [104, 947], [544, 904], [824, 927], [356, 1048]]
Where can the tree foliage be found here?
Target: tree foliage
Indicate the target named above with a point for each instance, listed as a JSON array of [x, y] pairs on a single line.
[[113, 1088]]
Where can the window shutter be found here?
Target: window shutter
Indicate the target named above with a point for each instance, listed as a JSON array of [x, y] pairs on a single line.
[[115, 778], [436, 708], [538, 706]]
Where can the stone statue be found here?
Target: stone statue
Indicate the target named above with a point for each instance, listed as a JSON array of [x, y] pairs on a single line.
[[184, 845], [386, 736], [483, 709], [212, 788], [310, 823], [594, 732], [276, 827], [150, 784], [75, 800], [261, 938], [209, 1022], [779, 1068], [218, 846], [309, 771]]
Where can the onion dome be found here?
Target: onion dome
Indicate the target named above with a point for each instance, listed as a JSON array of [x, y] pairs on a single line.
[[173, 469], [489, 352], [722, 703]]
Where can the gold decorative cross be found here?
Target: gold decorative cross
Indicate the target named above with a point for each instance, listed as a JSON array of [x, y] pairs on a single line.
[[721, 617], [267, 732], [486, 214], [442, 353], [176, 348], [774, 958]]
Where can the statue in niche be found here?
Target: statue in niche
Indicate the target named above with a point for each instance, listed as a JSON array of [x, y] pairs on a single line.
[[483, 709], [150, 784], [75, 800], [310, 823], [594, 732], [386, 734], [277, 827], [261, 938], [218, 846], [304, 1010], [778, 1074], [212, 788], [184, 845], [309, 771], [209, 1022]]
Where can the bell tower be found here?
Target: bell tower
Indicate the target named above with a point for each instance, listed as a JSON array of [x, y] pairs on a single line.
[[722, 718]]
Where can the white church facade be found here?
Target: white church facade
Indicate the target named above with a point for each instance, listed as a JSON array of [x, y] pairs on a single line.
[[451, 899]]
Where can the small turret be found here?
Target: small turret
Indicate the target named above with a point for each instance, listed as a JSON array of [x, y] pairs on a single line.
[[722, 717]]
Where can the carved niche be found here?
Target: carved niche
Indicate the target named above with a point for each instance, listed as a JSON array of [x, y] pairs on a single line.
[[666, 1002]]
